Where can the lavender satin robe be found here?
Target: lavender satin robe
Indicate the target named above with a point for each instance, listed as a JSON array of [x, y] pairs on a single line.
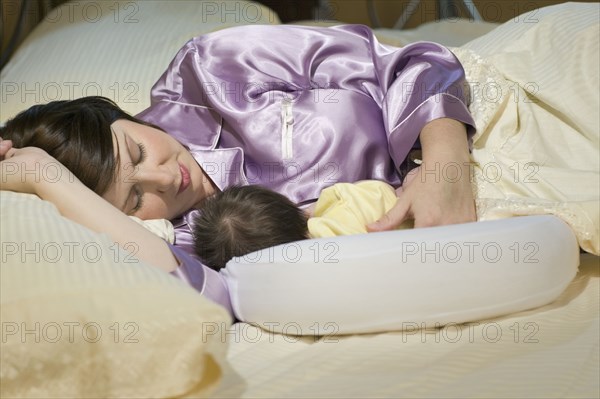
[[297, 109]]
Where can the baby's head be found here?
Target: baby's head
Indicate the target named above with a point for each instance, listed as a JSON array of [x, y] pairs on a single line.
[[244, 219]]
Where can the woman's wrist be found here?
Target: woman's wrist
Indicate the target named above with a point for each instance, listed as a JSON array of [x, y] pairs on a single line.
[[50, 179], [445, 151], [443, 139], [31, 170]]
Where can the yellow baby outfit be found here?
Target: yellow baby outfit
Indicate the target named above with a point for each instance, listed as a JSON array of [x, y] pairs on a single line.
[[346, 208]]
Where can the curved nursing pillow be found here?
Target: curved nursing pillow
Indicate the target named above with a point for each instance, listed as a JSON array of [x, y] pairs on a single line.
[[404, 279]]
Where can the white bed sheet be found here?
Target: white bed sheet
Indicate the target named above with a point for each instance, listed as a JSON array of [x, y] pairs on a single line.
[[548, 352]]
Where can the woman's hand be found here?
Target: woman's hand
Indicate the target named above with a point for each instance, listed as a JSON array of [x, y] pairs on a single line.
[[29, 169], [5, 146], [439, 191]]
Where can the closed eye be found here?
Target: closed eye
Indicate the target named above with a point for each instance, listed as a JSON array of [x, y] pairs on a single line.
[[139, 200], [142, 156], [139, 195]]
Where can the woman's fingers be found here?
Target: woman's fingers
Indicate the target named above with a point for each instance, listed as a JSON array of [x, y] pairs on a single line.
[[22, 169], [5, 146], [410, 176], [391, 220]]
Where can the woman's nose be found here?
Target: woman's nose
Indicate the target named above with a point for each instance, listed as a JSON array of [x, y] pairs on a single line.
[[158, 179]]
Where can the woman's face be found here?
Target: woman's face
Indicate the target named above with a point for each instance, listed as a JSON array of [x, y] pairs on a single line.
[[156, 177]]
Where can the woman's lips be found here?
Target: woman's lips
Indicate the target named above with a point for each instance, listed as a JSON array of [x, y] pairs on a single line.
[[185, 178]]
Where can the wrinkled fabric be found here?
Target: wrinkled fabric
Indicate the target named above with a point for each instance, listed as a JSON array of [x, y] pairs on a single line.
[[297, 109], [204, 279], [347, 208]]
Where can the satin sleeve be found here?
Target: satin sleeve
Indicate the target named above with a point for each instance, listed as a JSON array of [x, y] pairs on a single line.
[[240, 70], [208, 282]]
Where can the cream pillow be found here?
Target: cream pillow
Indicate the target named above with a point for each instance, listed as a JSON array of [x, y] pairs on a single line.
[[83, 318]]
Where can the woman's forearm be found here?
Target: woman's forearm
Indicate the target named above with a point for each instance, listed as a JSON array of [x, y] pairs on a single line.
[[443, 141], [80, 204], [439, 191], [447, 171]]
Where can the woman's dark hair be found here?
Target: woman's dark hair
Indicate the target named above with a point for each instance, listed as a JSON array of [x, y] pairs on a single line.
[[244, 219], [77, 133]]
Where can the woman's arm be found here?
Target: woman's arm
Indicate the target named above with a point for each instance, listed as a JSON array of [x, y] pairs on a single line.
[[32, 170], [439, 191]]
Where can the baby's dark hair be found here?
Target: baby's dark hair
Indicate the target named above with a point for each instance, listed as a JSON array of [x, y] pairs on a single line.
[[244, 219]]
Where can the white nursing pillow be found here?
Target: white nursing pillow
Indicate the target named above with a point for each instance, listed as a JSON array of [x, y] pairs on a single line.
[[404, 279]]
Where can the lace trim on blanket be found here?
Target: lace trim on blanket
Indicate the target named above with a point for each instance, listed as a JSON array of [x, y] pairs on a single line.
[[488, 89], [488, 93], [583, 227]]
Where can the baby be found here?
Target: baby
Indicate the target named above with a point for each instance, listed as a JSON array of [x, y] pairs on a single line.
[[244, 219]]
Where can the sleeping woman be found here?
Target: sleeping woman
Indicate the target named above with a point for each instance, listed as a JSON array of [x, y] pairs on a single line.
[[326, 105], [284, 114]]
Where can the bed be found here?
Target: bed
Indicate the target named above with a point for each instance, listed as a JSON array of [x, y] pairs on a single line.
[[82, 318]]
